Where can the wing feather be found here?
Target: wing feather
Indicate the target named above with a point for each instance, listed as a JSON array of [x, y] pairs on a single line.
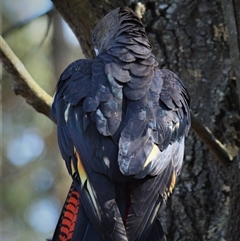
[[121, 126]]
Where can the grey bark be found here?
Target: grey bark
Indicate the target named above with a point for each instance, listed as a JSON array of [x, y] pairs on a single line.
[[190, 38]]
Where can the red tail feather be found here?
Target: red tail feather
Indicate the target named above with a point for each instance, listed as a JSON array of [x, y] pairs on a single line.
[[67, 221]]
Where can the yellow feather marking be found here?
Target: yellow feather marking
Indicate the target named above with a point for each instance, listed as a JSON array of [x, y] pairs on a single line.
[[81, 171], [173, 182], [72, 168], [84, 178], [152, 156], [176, 126], [155, 213]]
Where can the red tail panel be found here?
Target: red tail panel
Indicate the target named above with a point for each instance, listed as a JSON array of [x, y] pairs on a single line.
[[67, 221]]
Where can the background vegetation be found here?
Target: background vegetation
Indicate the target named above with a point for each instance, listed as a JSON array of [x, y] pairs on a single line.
[[33, 178]]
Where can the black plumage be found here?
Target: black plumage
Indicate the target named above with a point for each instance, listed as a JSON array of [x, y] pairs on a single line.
[[121, 126]]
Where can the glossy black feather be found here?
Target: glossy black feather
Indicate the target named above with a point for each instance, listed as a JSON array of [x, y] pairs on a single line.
[[121, 126]]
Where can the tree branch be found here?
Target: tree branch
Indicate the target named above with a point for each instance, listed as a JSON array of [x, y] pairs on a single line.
[[214, 145], [23, 83]]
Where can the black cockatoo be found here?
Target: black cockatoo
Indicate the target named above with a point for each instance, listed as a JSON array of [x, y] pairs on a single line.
[[121, 124]]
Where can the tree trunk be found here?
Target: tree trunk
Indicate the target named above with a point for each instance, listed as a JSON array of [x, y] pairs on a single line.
[[190, 38]]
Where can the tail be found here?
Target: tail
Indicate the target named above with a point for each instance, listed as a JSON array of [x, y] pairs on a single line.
[[157, 233], [73, 224]]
